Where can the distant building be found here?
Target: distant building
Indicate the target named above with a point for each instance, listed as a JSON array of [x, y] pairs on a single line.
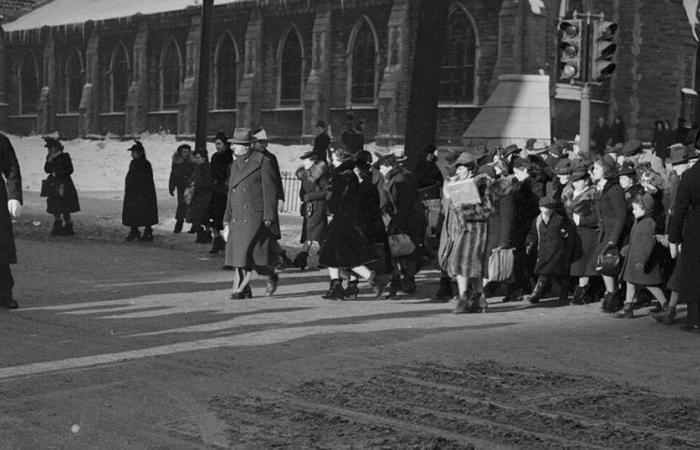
[[112, 69]]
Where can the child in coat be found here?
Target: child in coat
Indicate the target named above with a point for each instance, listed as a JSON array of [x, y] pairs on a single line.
[[549, 234], [640, 269]]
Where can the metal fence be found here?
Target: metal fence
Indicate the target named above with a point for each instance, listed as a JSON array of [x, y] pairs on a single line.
[[291, 185]]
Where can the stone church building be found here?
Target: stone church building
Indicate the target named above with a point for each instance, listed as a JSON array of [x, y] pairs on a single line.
[[103, 67]]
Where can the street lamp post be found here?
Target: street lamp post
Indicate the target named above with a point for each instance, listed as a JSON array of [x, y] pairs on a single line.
[[200, 140]]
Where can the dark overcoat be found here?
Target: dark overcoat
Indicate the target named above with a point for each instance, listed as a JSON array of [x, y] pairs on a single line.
[[398, 194], [584, 238], [639, 266], [321, 144], [10, 189], [279, 184], [220, 174], [685, 229], [180, 173], [140, 202], [526, 208], [198, 210], [500, 223], [345, 244], [60, 170], [313, 191], [551, 241], [252, 200], [612, 215]]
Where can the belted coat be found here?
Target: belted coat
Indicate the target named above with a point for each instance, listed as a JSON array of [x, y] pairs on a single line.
[[10, 189], [252, 200], [60, 170]]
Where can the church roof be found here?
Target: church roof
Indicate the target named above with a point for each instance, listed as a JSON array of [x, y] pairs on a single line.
[[73, 12]]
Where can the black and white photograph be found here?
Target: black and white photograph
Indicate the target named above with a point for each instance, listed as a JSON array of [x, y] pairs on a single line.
[[349, 224]]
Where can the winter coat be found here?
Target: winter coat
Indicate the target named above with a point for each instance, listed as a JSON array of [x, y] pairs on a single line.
[[398, 196], [140, 202], [354, 139], [10, 189], [639, 266], [500, 225], [551, 240], [600, 138], [252, 200], [540, 175], [60, 170], [685, 229], [220, 174], [631, 193], [180, 173], [321, 144], [612, 214], [618, 133], [555, 190], [198, 209], [584, 237], [279, 186], [313, 191], [428, 174], [526, 208], [345, 244]]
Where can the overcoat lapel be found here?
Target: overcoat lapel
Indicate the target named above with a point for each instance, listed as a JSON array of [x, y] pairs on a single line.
[[253, 163]]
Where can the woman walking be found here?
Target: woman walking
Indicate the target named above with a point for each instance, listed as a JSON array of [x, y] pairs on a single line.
[[314, 178], [463, 238], [220, 171], [180, 172], [62, 198], [140, 202], [200, 187]]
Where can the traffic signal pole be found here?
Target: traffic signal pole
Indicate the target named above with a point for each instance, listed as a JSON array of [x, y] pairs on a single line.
[[585, 120], [200, 140]]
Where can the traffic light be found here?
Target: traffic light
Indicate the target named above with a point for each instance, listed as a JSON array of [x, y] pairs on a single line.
[[570, 48], [603, 51]]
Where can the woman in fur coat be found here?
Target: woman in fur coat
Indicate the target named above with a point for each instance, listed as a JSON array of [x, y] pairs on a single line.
[[63, 201]]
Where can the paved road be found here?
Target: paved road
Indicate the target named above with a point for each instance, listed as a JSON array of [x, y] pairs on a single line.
[[132, 346]]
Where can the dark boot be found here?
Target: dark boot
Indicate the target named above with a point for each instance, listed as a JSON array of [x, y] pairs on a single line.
[[579, 296], [627, 312], [607, 298], [537, 293], [616, 303], [193, 230], [218, 245], [352, 290], [408, 285], [286, 262], [335, 291], [272, 281], [68, 229], [477, 303], [463, 304], [378, 283], [444, 293], [133, 235], [57, 229], [147, 235], [203, 237], [178, 227], [247, 292], [301, 261], [668, 316]]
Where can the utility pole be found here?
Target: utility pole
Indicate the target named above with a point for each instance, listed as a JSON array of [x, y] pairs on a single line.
[[200, 140]]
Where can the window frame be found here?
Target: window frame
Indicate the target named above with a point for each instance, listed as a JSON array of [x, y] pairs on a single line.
[[170, 43], [27, 57], [282, 103], [217, 105], [458, 8], [69, 77], [120, 47], [351, 102]]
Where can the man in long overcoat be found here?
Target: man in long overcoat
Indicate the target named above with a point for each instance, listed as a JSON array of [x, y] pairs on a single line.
[[685, 230], [251, 223], [10, 195]]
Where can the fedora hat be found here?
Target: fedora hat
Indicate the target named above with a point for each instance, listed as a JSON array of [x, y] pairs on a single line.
[[678, 154], [556, 151], [260, 136], [632, 147], [626, 169], [389, 159], [579, 174], [241, 136], [464, 159], [509, 150], [563, 167]]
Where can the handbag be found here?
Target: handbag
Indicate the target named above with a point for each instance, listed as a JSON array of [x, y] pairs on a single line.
[[401, 245], [188, 195], [500, 264], [49, 188], [608, 262]]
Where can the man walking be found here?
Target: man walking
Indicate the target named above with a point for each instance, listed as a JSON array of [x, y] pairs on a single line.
[[10, 194]]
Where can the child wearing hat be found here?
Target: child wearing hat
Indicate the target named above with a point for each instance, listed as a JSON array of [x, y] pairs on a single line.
[[549, 235], [640, 268]]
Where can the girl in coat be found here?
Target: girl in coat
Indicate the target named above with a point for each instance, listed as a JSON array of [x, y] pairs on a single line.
[[180, 172], [198, 208], [220, 170], [463, 239], [314, 178], [345, 245], [63, 200], [140, 202], [640, 268]]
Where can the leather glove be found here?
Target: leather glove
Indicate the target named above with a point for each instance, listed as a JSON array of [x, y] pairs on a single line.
[[224, 232], [15, 208], [268, 224]]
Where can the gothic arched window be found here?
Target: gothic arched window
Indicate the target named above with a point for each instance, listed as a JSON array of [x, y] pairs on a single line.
[[74, 82], [364, 66], [458, 71], [170, 77], [28, 85], [291, 70], [119, 79], [226, 73]]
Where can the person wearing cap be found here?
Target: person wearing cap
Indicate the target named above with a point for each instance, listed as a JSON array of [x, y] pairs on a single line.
[[600, 136], [62, 198], [640, 267], [405, 214], [540, 171], [346, 246], [11, 200], [526, 208], [612, 213], [180, 172], [251, 223], [548, 240], [684, 237], [322, 141], [220, 167], [140, 201], [315, 178], [580, 206], [464, 236], [200, 187]]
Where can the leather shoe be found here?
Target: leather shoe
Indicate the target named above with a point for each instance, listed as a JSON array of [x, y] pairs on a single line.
[[10, 304], [272, 285]]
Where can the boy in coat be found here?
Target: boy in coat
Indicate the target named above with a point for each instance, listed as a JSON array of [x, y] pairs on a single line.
[[549, 234], [10, 195]]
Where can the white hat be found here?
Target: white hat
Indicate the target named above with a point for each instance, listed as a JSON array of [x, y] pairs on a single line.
[[260, 135]]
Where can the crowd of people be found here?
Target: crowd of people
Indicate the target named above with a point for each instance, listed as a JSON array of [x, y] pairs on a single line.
[[617, 225]]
